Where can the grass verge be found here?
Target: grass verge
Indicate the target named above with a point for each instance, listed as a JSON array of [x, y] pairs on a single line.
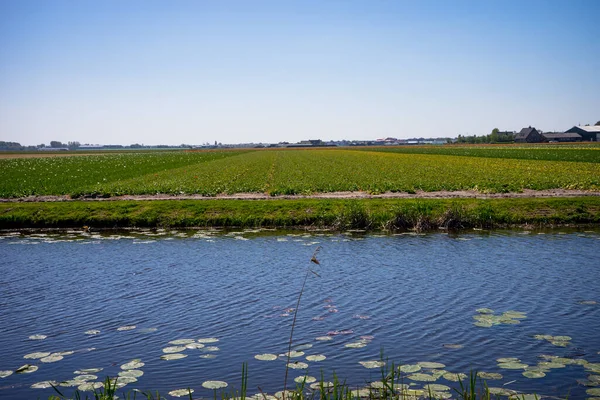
[[368, 214]]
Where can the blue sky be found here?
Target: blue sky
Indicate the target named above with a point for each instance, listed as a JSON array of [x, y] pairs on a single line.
[[173, 72]]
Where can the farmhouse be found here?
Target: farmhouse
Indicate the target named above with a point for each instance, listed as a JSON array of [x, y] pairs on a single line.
[[588, 132], [562, 137], [529, 135]]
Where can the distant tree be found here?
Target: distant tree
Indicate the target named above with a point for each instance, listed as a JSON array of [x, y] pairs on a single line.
[[10, 146], [55, 144], [494, 135], [74, 145], [598, 123]]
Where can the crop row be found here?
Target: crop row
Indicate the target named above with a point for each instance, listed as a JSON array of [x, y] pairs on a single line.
[[287, 172], [580, 153]]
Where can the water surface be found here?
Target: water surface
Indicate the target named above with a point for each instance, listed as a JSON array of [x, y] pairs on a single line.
[[409, 295]]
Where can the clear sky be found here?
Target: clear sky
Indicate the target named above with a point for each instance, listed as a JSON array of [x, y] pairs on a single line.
[[173, 72]]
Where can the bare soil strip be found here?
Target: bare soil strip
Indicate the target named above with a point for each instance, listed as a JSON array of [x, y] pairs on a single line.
[[463, 194]]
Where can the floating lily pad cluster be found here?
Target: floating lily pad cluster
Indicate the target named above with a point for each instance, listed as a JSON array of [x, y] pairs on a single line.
[[593, 379], [296, 353], [560, 341], [176, 348], [41, 356], [485, 318], [424, 373], [535, 371]]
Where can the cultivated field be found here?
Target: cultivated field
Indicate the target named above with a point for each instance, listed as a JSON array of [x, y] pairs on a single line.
[[487, 169]]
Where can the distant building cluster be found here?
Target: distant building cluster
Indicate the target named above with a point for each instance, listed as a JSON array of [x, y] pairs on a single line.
[[579, 133]]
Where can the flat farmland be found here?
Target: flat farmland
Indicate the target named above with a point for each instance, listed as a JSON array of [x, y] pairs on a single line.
[[486, 169]]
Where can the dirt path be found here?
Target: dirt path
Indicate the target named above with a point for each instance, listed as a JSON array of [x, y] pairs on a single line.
[[332, 195]]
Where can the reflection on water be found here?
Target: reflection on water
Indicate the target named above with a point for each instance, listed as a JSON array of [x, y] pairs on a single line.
[[213, 300]]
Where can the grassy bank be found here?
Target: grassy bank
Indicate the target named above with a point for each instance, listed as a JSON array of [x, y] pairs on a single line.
[[371, 214]]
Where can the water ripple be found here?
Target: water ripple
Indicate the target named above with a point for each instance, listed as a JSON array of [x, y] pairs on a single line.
[[409, 295]]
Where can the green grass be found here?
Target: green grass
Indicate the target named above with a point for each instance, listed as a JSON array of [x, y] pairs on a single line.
[[372, 214], [278, 172]]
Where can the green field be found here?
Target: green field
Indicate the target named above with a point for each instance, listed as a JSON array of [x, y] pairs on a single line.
[[306, 171], [588, 152]]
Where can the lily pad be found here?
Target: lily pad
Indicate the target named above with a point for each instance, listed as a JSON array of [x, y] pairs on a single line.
[[44, 385], [211, 348], [316, 357], [214, 385], [593, 392], [92, 332], [372, 364], [305, 379], [194, 346], [323, 338], [133, 373], [356, 345], [563, 338], [421, 377], [173, 356], [173, 349], [436, 387], [559, 343], [127, 379], [51, 358], [507, 360], [363, 393], [266, 357], [64, 353], [70, 383], [550, 365], [515, 314], [297, 365], [489, 375], [37, 355], [88, 371], [440, 395], [38, 337], [85, 377], [451, 376], [181, 392], [181, 341], [485, 311], [483, 324], [90, 386], [430, 365], [317, 385], [533, 374], [409, 368], [208, 356], [126, 327], [512, 365], [207, 340], [133, 364], [293, 354], [5, 373], [501, 391]]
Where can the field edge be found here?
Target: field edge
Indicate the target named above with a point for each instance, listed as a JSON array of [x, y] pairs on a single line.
[[375, 214]]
